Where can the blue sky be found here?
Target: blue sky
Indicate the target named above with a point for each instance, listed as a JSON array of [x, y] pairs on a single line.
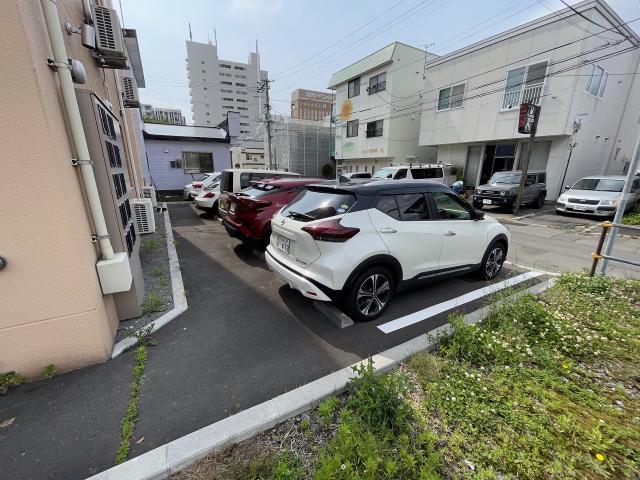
[[293, 31]]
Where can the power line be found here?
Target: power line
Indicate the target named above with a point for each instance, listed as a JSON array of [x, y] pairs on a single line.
[[588, 19]]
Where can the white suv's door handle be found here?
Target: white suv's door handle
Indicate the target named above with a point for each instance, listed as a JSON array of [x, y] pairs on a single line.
[[450, 234], [387, 230]]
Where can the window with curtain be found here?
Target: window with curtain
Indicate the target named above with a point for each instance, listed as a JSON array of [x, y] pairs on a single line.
[[596, 80], [451, 97]]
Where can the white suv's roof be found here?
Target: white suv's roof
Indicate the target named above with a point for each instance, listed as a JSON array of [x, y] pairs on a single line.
[[421, 165]]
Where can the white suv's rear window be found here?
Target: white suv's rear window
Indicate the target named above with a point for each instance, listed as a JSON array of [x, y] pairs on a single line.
[[431, 172], [314, 205]]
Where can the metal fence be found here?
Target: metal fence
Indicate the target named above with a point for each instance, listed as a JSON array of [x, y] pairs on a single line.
[[598, 255]]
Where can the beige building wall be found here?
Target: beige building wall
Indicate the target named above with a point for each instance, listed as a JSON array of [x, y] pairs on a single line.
[[51, 306]]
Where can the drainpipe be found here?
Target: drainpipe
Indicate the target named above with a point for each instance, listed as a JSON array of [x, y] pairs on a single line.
[[50, 11]]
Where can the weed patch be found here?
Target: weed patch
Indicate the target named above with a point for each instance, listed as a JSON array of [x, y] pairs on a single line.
[[49, 371], [631, 219], [152, 303], [149, 245], [8, 380]]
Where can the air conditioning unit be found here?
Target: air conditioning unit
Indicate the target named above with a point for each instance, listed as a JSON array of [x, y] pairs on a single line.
[[110, 50], [143, 218], [150, 193], [130, 93]]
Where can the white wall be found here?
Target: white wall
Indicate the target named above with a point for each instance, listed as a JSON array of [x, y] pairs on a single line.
[[484, 71], [400, 133]]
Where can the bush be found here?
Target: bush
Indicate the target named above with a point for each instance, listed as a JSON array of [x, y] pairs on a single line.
[[327, 170], [378, 400]]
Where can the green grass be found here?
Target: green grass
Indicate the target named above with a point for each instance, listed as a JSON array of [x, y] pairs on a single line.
[[532, 392], [631, 219], [149, 245], [49, 371], [152, 304], [10, 379]]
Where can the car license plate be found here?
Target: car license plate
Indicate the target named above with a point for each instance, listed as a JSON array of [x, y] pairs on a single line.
[[232, 207], [283, 244], [580, 208], [486, 201]]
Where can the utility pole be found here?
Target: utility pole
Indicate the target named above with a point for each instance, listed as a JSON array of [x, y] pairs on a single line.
[[527, 123], [633, 168], [264, 86]]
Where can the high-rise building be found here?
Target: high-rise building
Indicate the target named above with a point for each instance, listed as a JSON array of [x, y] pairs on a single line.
[[310, 105], [217, 86]]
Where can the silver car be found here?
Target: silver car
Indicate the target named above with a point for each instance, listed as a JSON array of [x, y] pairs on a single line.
[[598, 195]]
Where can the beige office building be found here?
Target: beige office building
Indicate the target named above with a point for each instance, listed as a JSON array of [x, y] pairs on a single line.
[[310, 105], [62, 291]]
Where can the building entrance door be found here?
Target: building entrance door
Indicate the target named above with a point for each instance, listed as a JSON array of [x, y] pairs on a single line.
[[497, 158]]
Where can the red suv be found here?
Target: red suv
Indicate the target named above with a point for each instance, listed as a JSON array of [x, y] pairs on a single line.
[[250, 210]]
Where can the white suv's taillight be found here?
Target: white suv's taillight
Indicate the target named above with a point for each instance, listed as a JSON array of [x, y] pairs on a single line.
[[330, 231]]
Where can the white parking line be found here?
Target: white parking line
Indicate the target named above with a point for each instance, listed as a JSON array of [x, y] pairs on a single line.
[[526, 267], [433, 310]]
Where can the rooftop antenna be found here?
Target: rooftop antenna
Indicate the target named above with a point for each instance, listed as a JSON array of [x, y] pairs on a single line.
[[215, 35], [424, 68], [190, 35], [256, 45]]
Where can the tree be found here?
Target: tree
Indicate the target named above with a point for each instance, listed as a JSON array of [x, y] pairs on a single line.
[[327, 170]]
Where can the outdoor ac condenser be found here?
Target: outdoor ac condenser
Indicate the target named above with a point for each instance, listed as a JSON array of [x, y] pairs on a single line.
[[110, 47], [150, 193], [143, 217], [130, 93]]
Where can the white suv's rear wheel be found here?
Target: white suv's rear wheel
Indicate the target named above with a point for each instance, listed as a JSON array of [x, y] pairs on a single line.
[[370, 294]]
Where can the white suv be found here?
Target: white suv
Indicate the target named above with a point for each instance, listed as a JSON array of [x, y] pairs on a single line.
[[356, 243]]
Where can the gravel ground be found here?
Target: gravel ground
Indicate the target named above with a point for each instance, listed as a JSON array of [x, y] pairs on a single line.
[[157, 278]]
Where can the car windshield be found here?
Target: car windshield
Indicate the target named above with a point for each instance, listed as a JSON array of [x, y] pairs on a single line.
[[314, 205], [203, 177], [507, 178], [599, 185], [258, 190], [385, 173]]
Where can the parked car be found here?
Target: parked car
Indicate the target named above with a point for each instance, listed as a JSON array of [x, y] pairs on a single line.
[[356, 243], [251, 210], [345, 177], [208, 198], [235, 179], [598, 195], [502, 190], [192, 190], [440, 172]]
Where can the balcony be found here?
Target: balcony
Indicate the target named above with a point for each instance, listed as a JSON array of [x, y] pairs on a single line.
[[528, 94]]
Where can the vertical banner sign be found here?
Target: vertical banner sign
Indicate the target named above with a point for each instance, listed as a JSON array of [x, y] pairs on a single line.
[[528, 120]]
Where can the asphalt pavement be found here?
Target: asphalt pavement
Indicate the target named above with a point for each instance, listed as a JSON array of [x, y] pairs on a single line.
[[245, 339]]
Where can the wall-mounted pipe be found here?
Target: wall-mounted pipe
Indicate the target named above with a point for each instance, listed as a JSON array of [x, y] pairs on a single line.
[[54, 31]]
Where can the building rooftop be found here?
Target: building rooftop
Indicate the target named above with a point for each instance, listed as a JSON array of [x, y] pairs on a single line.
[[173, 132], [368, 63]]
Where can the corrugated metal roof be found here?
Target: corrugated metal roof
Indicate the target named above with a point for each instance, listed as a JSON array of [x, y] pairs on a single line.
[[368, 63], [184, 131]]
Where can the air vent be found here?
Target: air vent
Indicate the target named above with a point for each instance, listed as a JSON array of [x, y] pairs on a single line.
[[130, 93], [143, 217]]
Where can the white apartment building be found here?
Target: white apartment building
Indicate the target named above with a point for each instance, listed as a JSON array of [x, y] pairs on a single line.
[[575, 66], [170, 116], [218, 86], [370, 96]]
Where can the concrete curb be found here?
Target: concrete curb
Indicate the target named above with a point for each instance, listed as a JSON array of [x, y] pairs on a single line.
[[167, 459], [179, 298]]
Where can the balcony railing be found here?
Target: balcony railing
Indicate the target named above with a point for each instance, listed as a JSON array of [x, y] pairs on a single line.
[[530, 94]]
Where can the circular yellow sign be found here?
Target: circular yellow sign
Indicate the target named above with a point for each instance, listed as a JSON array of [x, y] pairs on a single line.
[[346, 109]]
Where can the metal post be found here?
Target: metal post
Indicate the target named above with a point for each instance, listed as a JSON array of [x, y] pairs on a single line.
[[267, 118], [633, 167], [524, 169], [597, 255]]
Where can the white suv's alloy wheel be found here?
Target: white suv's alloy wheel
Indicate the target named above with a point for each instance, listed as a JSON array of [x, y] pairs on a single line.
[[494, 262], [373, 294]]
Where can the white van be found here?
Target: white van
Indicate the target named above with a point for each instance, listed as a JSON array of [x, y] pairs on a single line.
[[440, 172], [235, 179]]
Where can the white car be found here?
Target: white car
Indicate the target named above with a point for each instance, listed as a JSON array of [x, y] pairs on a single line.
[[208, 198], [598, 196], [193, 189], [440, 172], [356, 243]]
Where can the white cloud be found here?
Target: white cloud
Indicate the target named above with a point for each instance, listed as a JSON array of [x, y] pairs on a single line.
[[254, 9]]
